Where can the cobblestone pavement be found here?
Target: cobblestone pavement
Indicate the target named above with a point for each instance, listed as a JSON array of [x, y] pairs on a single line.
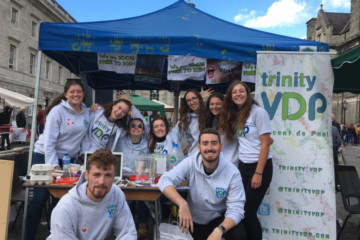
[[350, 232]]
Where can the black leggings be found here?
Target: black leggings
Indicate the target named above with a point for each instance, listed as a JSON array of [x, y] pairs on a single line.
[[254, 197], [202, 232]]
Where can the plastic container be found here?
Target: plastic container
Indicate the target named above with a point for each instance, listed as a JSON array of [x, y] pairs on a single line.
[[66, 163], [175, 156], [144, 168]]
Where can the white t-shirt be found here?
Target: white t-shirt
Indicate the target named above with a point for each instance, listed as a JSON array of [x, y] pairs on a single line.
[[258, 123]]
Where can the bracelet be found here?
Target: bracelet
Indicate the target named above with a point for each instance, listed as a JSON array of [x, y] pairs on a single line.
[[258, 173]]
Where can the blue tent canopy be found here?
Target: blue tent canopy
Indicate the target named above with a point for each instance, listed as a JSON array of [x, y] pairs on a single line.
[[178, 29]]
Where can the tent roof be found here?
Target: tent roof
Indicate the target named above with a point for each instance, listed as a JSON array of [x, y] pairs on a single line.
[[346, 71], [15, 99], [178, 29], [144, 104]]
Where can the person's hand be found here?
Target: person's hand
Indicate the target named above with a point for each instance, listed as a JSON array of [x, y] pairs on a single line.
[[185, 219], [94, 107], [271, 140], [206, 93], [256, 181], [121, 95], [215, 235]]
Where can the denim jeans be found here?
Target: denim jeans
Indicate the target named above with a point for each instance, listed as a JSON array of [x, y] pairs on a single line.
[[34, 212]]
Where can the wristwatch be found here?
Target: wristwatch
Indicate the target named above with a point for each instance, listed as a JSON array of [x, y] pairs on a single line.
[[222, 228]]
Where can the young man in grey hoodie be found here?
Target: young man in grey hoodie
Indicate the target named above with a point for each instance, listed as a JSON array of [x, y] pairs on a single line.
[[215, 204], [95, 206]]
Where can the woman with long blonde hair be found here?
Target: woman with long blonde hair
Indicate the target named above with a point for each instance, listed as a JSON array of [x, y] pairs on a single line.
[[244, 117]]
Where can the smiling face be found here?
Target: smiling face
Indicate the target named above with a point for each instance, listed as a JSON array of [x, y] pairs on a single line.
[[159, 128], [209, 146], [99, 182], [215, 105], [74, 95], [136, 128], [118, 111], [239, 95], [192, 101]]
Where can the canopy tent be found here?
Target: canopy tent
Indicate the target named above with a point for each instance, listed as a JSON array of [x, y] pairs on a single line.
[[178, 29], [144, 104], [14, 99], [346, 71]]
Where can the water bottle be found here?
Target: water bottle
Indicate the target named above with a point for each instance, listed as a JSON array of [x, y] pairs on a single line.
[[66, 163], [175, 156]]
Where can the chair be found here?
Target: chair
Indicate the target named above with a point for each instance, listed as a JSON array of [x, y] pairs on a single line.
[[18, 194], [349, 182]]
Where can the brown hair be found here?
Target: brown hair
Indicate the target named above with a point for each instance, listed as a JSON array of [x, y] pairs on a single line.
[[68, 84], [185, 109], [209, 116], [122, 122], [209, 131], [102, 159], [152, 137], [231, 117]]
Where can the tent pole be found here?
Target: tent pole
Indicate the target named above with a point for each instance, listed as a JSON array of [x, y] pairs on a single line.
[[176, 102], [32, 139]]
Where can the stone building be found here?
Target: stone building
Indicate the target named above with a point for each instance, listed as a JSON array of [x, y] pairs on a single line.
[[19, 37], [342, 32]]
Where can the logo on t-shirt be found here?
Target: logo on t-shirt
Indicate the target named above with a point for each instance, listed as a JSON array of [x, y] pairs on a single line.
[[69, 122], [111, 210], [220, 192], [243, 132]]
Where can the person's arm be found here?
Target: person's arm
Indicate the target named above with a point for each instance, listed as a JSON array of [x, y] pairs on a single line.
[[185, 219], [51, 133], [124, 226], [217, 233], [264, 152]]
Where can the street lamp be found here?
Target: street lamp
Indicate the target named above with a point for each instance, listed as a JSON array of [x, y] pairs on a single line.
[[345, 104]]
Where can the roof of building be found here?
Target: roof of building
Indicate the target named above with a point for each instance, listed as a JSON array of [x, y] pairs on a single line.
[[338, 21]]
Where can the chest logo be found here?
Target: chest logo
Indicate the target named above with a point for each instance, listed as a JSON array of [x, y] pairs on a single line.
[[220, 192], [69, 122], [243, 132], [111, 211], [84, 230]]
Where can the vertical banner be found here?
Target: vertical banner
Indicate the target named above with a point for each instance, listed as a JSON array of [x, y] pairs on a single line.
[[296, 90]]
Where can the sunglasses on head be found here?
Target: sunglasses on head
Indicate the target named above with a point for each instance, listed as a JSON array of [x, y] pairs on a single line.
[[133, 125]]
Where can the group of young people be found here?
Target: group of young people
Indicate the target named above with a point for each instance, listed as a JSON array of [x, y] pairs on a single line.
[[244, 133]]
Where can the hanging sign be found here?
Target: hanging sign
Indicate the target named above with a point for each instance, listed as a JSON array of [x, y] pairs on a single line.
[[119, 63], [296, 90], [186, 67], [248, 73], [219, 71]]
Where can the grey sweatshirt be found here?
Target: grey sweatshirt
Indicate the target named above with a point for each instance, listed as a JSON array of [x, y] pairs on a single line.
[[78, 217], [209, 195]]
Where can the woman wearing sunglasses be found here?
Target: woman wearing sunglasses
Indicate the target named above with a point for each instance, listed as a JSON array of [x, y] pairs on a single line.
[[133, 144]]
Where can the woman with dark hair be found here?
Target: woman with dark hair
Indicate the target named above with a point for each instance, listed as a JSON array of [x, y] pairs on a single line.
[[192, 118], [108, 123], [242, 117], [161, 140], [66, 125]]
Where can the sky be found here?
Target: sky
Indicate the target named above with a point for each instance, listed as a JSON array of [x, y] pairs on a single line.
[[285, 17]]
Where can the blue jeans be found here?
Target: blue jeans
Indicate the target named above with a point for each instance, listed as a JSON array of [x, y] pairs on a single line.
[[34, 212]]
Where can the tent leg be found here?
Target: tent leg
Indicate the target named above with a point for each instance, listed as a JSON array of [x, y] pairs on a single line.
[[32, 139], [176, 102]]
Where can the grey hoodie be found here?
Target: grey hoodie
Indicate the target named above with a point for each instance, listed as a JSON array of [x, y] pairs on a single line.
[[209, 195], [78, 217], [65, 129]]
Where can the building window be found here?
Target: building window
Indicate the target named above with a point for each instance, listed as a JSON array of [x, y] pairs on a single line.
[[47, 69], [60, 75], [14, 17], [33, 29], [154, 94], [12, 56], [32, 63]]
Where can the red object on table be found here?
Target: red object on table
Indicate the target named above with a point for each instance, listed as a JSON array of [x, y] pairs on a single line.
[[67, 180], [157, 179]]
